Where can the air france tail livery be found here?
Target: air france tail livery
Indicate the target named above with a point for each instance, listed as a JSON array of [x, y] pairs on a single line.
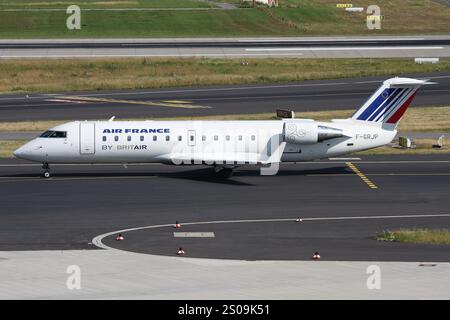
[[225, 145]]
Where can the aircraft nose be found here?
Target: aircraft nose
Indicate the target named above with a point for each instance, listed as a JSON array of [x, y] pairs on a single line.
[[20, 153]]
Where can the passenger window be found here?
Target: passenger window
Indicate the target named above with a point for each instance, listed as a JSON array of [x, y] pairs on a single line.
[[142, 138], [104, 138], [240, 138], [129, 138], [167, 138], [216, 138], [155, 138], [253, 138], [227, 138], [116, 138], [180, 138], [203, 138]]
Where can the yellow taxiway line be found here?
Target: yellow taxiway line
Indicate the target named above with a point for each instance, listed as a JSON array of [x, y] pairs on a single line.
[[361, 175]]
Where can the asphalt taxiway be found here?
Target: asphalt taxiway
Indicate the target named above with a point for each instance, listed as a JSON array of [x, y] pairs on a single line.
[[251, 217], [213, 100]]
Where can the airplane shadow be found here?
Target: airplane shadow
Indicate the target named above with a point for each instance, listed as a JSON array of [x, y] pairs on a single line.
[[206, 175]]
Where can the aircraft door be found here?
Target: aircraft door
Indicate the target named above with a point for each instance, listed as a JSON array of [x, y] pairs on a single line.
[[87, 138]]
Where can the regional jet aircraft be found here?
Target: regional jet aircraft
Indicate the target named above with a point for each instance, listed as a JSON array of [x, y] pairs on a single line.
[[225, 145]]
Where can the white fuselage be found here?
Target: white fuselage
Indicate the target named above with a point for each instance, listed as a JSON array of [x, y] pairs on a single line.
[[211, 142]]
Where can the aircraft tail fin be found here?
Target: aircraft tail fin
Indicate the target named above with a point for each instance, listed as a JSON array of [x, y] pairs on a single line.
[[389, 103]]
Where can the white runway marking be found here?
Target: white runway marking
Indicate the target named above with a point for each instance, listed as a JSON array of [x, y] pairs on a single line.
[[344, 48], [39, 179], [97, 241], [344, 159], [332, 161], [328, 39], [79, 164], [381, 174], [93, 55], [194, 235]]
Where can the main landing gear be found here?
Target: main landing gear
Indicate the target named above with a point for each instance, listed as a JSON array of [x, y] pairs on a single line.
[[223, 172], [46, 168]]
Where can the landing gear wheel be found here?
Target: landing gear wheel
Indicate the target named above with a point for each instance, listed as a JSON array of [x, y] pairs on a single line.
[[46, 173]]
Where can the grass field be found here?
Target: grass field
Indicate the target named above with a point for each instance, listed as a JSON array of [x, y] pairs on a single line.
[[7, 147], [138, 73], [99, 4], [423, 146], [292, 18], [419, 119], [419, 236]]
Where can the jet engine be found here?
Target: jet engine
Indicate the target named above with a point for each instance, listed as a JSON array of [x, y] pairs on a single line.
[[305, 132]]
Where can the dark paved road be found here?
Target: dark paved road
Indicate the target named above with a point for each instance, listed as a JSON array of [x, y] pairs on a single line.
[[223, 43], [81, 202], [218, 100]]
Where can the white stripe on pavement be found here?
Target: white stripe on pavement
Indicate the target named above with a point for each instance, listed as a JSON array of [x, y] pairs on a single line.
[[97, 241], [345, 48]]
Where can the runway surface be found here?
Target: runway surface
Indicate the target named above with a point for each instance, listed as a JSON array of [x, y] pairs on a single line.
[[213, 100], [341, 212], [287, 42], [307, 47]]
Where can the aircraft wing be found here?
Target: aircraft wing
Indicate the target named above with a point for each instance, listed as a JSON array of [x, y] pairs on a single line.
[[230, 158]]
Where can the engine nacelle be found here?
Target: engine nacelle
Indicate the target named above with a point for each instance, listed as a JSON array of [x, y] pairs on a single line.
[[308, 132]]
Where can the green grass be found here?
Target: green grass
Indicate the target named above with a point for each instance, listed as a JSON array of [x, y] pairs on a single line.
[[99, 4], [400, 17], [418, 119], [110, 24], [423, 146], [7, 147], [418, 236], [139, 73], [293, 18]]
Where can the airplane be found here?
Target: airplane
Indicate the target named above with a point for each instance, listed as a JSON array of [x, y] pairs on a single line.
[[226, 145]]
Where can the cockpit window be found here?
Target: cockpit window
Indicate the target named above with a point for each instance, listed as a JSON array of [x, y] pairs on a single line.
[[59, 134], [54, 134], [46, 134]]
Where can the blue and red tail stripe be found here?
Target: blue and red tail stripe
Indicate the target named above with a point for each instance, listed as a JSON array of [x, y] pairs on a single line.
[[387, 101], [400, 98], [376, 103], [391, 101], [399, 113]]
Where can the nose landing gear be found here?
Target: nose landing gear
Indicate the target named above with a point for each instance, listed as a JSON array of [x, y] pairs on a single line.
[[46, 168]]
